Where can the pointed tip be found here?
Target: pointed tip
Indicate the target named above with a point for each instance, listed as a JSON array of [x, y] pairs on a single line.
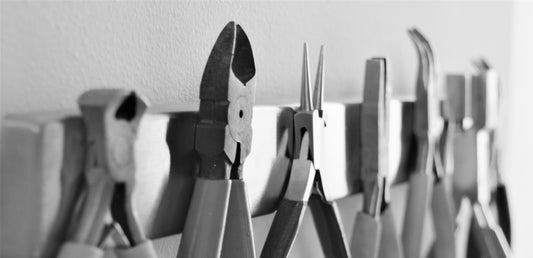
[[318, 93], [305, 97], [481, 64]]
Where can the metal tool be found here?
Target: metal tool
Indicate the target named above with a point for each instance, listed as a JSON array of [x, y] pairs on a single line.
[[428, 186], [306, 178], [111, 118], [453, 111], [499, 194], [219, 223], [390, 243], [367, 233], [486, 235]]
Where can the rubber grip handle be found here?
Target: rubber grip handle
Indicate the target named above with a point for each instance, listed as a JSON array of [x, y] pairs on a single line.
[[443, 211], [504, 215], [284, 228], [238, 236], [78, 250], [366, 236], [328, 223], [390, 246], [488, 237], [143, 250], [206, 220], [418, 198]]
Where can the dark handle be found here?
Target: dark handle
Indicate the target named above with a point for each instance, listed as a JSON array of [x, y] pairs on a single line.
[[504, 215], [488, 239], [329, 227], [283, 231]]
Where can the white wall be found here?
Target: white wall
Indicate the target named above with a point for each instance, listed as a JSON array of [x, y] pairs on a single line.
[[51, 52], [518, 128]]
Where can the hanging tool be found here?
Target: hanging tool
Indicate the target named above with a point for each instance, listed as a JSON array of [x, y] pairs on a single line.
[[486, 235], [429, 185], [390, 243], [369, 228], [499, 194], [453, 113], [219, 222], [111, 118], [305, 184]]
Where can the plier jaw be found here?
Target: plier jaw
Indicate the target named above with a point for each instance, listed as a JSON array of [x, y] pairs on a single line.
[[227, 90], [427, 118], [111, 119], [374, 135], [219, 213], [485, 96], [120, 112], [309, 118], [309, 122]]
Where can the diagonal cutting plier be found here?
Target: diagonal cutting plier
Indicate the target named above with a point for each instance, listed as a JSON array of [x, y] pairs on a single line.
[[218, 222]]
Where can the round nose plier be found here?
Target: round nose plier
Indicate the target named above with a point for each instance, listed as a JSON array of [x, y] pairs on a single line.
[[307, 177]]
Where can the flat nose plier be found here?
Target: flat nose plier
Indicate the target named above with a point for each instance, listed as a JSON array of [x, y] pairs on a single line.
[[218, 222], [111, 118], [374, 233]]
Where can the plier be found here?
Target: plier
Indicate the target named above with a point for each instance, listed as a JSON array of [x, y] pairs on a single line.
[[499, 194], [111, 119], [306, 178], [429, 185], [486, 235], [218, 222], [374, 234]]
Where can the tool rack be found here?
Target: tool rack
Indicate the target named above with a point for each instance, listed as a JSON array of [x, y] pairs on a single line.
[[43, 157], [166, 166]]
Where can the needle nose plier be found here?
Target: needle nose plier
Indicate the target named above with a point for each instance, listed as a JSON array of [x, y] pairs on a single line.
[[305, 184]]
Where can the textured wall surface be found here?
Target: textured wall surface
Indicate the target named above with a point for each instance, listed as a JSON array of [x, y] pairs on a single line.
[[53, 51]]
